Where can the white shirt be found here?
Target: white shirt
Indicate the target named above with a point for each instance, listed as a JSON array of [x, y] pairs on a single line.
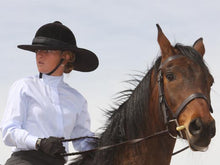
[[39, 108]]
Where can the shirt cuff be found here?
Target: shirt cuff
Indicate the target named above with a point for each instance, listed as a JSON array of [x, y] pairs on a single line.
[[30, 141]]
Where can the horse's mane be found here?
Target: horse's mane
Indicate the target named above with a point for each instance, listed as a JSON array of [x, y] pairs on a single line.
[[124, 118], [129, 120]]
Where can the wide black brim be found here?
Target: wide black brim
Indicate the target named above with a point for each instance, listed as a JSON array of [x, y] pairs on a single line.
[[86, 60]]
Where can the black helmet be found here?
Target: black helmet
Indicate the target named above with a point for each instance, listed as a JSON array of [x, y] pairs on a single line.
[[56, 36]]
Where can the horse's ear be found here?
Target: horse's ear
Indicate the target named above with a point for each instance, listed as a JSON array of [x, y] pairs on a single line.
[[199, 46], [165, 46]]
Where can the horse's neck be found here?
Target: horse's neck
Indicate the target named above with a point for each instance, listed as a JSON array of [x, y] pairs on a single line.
[[157, 150], [161, 148]]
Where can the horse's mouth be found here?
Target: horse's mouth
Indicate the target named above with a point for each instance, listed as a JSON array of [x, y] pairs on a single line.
[[198, 148], [198, 143]]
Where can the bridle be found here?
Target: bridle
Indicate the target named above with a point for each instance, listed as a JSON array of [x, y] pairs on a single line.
[[166, 110], [166, 113]]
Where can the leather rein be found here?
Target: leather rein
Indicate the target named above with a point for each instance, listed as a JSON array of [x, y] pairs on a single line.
[[165, 109]]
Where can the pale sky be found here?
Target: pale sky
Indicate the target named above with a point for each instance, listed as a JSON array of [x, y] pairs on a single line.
[[123, 34]]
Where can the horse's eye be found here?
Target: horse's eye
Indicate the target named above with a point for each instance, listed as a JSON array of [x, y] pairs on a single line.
[[170, 76]]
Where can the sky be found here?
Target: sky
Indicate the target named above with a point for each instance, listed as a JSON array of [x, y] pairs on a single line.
[[123, 34]]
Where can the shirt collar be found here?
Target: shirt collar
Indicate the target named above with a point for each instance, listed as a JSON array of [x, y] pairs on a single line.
[[52, 80]]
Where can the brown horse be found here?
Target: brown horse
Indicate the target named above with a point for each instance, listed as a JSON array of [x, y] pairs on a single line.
[[177, 88]]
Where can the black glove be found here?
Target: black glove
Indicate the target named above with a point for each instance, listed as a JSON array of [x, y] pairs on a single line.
[[52, 146]]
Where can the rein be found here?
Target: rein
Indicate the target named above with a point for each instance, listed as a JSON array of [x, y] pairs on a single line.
[[133, 141]]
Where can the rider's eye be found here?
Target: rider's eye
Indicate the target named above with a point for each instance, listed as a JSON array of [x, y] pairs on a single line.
[[170, 76]]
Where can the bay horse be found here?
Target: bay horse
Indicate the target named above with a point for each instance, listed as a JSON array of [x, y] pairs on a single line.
[[176, 88]]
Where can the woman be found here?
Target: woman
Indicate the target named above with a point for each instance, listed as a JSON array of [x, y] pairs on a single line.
[[42, 110]]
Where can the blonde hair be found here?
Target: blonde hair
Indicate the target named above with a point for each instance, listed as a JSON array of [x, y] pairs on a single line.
[[69, 65]]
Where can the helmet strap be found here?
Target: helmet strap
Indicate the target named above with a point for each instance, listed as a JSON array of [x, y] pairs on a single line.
[[61, 61]]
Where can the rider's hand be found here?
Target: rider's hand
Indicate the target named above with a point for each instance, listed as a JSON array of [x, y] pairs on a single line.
[[52, 146]]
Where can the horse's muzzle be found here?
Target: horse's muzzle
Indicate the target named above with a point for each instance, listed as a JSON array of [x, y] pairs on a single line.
[[201, 133]]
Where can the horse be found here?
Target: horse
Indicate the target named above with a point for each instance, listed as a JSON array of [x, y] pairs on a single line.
[[174, 96]]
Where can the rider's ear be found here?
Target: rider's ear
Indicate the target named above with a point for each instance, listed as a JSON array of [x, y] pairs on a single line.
[[68, 56], [199, 46]]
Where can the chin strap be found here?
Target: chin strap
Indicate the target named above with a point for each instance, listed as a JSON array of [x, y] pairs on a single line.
[[40, 75], [61, 61]]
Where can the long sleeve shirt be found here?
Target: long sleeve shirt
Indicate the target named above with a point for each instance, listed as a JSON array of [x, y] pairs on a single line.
[[39, 108]]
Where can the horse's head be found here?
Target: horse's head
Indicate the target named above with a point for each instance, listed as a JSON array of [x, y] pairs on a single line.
[[186, 88]]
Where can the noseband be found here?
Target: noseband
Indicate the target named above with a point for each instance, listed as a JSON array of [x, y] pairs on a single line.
[[162, 100]]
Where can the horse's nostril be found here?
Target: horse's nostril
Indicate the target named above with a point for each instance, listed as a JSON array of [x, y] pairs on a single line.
[[195, 126]]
